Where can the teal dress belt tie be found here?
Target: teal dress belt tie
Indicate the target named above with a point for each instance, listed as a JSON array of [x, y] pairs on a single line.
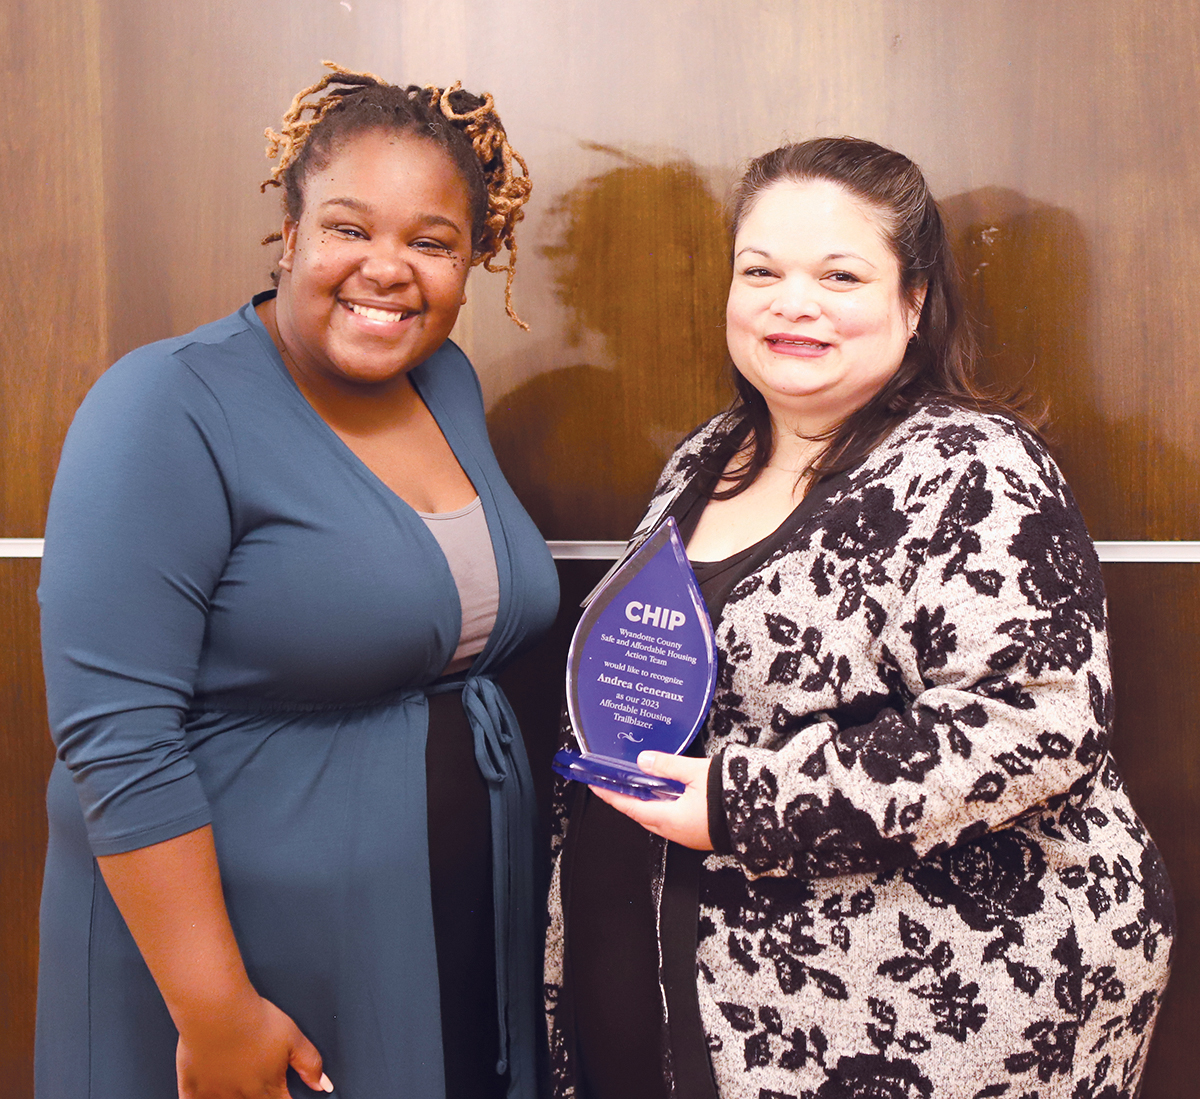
[[500, 754]]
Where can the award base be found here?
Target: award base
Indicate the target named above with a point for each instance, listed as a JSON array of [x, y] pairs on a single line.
[[616, 774]]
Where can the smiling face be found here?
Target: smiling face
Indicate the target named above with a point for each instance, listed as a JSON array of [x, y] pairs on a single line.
[[815, 320], [374, 272]]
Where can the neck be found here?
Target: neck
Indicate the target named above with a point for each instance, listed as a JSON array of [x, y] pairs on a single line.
[[794, 448], [349, 408]]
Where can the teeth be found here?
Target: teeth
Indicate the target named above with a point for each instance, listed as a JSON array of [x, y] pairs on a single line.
[[375, 314]]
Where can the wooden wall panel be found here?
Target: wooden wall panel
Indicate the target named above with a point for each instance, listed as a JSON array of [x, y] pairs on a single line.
[[188, 91], [1036, 282], [25, 757], [52, 345], [1058, 139], [1154, 622], [1065, 138], [640, 265]]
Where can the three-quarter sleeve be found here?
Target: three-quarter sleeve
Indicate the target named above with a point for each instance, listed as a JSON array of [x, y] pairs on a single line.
[[138, 532]]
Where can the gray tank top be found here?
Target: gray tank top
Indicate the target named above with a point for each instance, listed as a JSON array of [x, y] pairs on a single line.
[[464, 538]]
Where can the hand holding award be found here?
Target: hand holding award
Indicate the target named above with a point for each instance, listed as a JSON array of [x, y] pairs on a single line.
[[641, 670]]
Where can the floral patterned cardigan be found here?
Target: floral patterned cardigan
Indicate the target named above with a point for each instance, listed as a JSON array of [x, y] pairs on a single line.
[[928, 879]]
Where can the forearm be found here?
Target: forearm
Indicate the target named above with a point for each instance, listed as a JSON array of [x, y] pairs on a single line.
[[171, 899], [941, 771]]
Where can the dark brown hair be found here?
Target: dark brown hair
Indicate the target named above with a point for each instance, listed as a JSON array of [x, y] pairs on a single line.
[[466, 126], [939, 362]]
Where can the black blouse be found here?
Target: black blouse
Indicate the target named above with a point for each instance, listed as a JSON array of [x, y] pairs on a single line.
[[611, 948]]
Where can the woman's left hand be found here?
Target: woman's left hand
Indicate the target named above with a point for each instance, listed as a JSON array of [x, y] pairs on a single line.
[[684, 820]]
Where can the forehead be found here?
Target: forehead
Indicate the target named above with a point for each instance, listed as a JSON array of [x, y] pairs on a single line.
[[813, 214], [385, 169]]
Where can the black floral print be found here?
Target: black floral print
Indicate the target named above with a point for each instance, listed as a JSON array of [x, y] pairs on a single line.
[[990, 883], [872, 1076], [889, 748], [933, 878]]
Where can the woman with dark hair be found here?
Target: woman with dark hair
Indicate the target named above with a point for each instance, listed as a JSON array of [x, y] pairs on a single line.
[[904, 864], [282, 569]]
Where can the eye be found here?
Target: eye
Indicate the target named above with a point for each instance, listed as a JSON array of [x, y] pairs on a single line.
[[350, 232], [427, 244], [757, 273], [843, 277]]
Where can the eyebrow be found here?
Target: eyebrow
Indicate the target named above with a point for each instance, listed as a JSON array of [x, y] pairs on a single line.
[[825, 259], [366, 208]]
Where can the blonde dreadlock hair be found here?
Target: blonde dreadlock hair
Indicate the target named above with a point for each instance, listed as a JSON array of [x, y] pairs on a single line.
[[466, 126]]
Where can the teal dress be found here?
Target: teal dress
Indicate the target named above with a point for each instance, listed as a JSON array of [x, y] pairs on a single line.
[[243, 626]]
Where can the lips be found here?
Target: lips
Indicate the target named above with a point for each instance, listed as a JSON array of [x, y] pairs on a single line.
[[380, 314], [789, 343]]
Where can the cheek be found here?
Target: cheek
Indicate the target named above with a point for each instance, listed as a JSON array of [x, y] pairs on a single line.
[[449, 291], [882, 320], [735, 333], [860, 318], [737, 314], [318, 259]]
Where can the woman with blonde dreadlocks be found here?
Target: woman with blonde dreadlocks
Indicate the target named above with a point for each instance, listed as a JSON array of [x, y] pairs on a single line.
[[281, 570]]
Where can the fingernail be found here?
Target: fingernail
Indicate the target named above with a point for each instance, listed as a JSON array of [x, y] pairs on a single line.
[[326, 1084], [646, 758]]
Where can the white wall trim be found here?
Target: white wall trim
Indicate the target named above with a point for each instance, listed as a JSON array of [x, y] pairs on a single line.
[[1149, 551], [20, 547], [586, 551], [1160, 552]]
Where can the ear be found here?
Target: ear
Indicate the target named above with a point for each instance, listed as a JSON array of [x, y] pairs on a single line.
[[289, 244], [914, 316]]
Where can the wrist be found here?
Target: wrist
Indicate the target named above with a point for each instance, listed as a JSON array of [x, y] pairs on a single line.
[[220, 1002]]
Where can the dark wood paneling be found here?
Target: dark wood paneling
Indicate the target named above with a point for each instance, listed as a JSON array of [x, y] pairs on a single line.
[[26, 754], [640, 264], [1033, 286], [1068, 137], [1154, 624], [52, 344], [188, 90]]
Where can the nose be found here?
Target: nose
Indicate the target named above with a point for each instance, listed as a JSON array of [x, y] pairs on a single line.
[[796, 299], [387, 264]]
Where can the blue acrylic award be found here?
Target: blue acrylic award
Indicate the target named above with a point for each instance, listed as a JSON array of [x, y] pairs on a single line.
[[641, 671]]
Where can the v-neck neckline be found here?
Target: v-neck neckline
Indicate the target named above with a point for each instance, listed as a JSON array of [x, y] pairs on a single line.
[[340, 445], [459, 447]]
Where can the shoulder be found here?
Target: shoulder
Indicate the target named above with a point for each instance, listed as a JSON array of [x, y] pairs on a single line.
[[982, 488], [953, 492], [188, 369], [944, 457], [939, 436], [154, 399]]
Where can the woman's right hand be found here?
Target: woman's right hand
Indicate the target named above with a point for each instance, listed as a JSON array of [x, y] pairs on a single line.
[[233, 1044], [243, 1052]]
